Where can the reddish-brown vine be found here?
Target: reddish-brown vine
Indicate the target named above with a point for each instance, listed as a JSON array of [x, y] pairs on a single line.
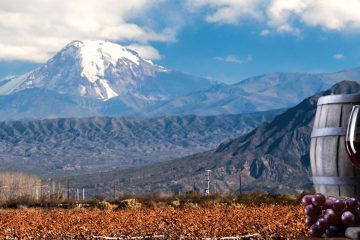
[[270, 221]]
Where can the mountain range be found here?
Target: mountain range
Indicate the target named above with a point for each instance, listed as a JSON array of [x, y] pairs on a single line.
[[101, 111], [99, 78], [274, 157], [60, 147], [260, 93]]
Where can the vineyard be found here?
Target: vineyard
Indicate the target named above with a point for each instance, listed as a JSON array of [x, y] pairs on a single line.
[[266, 221]]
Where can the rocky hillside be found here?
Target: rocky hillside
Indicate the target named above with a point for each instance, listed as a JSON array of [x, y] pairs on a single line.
[[74, 146], [274, 157]]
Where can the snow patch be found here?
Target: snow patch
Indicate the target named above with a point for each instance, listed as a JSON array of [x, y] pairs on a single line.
[[96, 56], [108, 91], [82, 90], [13, 83]]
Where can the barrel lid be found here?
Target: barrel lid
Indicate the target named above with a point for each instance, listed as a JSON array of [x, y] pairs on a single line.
[[340, 98]]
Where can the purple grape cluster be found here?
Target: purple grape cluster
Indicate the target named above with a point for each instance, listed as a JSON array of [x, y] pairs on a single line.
[[330, 216]]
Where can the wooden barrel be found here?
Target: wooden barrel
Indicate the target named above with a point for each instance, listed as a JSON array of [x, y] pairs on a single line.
[[333, 173]]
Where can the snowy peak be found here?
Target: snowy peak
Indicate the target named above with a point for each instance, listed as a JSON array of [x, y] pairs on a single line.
[[104, 50], [95, 69], [88, 78], [97, 56]]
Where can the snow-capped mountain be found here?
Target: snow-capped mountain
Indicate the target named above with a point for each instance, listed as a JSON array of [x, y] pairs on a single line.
[[99, 78], [103, 70]]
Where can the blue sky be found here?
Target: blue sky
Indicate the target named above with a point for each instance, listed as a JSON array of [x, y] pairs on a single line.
[[202, 50], [225, 40]]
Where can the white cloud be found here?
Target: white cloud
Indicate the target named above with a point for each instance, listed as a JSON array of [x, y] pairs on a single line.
[[284, 16], [265, 32], [329, 15], [35, 30], [234, 59], [228, 11], [339, 56], [145, 51]]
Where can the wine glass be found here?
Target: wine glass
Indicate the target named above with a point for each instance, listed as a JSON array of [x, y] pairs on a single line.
[[352, 138]]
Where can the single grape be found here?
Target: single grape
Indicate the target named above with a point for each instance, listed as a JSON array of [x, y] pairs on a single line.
[[306, 200], [339, 205], [312, 210], [329, 203], [322, 223], [329, 210], [330, 216], [315, 231], [351, 204], [332, 231], [351, 201], [347, 218], [318, 200]]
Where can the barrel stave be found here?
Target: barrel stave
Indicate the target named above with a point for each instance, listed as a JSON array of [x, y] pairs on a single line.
[[327, 161], [320, 151]]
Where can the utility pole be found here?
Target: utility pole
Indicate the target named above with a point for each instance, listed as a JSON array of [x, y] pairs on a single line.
[[53, 187], [83, 194], [77, 195], [207, 175]]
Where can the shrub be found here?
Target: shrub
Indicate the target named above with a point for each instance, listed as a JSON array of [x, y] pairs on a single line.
[[103, 205], [20, 202], [257, 198], [175, 203], [130, 203]]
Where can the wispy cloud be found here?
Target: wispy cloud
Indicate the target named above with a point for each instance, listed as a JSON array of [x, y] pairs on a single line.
[[228, 11], [234, 59], [25, 35], [339, 56], [265, 32], [146, 51], [283, 16]]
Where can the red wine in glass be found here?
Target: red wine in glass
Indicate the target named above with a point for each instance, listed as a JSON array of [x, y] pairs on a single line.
[[352, 138]]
